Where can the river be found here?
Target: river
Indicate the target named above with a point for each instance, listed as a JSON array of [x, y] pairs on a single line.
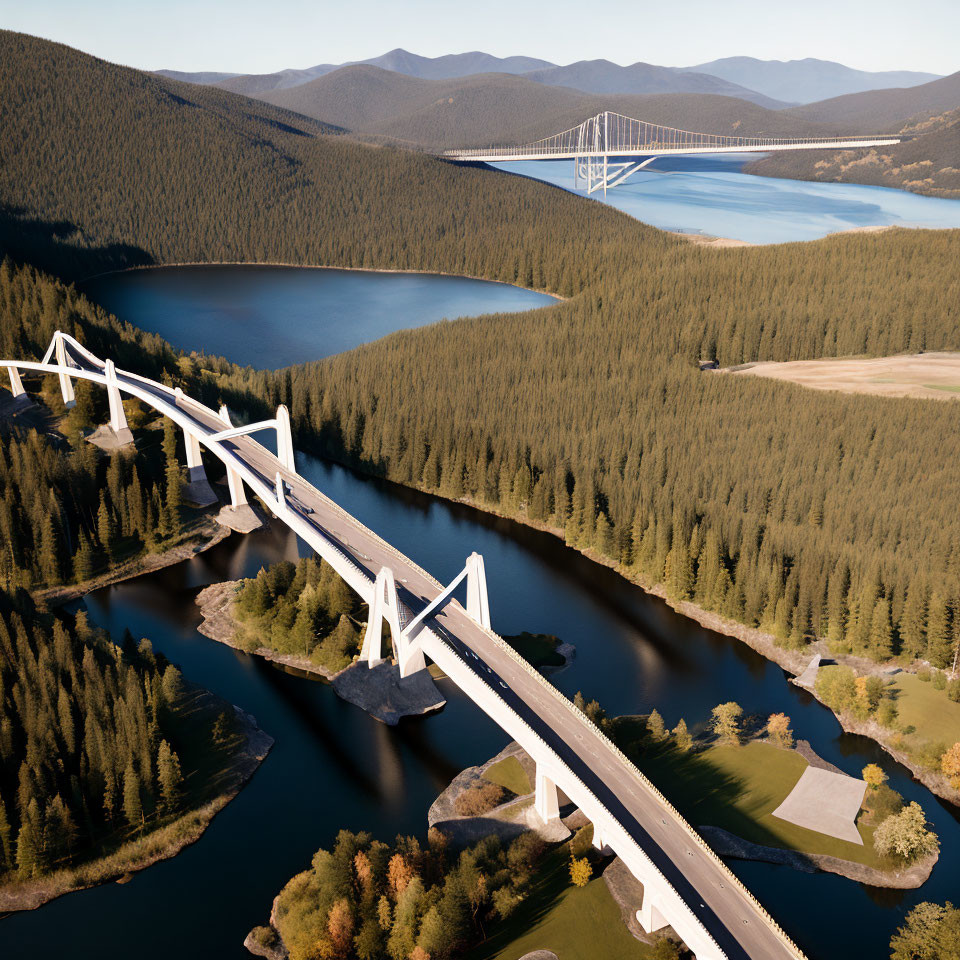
[[333, 766], [710, 195]]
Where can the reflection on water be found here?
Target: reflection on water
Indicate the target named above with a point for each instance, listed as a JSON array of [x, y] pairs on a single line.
[[309, 313], [334, 767], [709, 195]]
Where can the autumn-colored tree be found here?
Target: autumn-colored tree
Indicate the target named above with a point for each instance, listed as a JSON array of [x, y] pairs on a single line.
[[399, 874], [580, 871], [874, 776], [340, 927], [363, 871], [778, 728], [726, 722], [950, 765]]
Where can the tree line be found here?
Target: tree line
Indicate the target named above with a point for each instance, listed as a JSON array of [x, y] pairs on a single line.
[[88, 739], [304, 609]]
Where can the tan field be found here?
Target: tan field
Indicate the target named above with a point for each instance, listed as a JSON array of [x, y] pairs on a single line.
[[933, 376]]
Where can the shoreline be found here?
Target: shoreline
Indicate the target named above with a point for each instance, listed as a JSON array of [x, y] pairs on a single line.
[[790, 661], [378, 690], [208, 533], [186, 830], [324, 266]]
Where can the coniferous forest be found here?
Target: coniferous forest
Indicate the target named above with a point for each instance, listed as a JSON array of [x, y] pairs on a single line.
[[806, 513], [89, 740]]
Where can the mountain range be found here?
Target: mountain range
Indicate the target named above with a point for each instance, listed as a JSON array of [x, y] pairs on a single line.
[[770, 83], [498, 108]]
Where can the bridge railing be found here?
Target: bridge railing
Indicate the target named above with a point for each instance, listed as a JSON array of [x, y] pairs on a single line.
[[611, 133]]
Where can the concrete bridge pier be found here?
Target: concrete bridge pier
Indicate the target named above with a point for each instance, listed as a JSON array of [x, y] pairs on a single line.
[[197, 489], [114, 434], [238, 515], [383, 606], [546, 799], [66, 384], [21, 399]]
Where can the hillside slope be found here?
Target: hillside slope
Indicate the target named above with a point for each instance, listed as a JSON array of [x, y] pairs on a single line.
[[807, 80], [929, 163], [885, 111], [602, 76], [761, 501], [496, 108], [102, 167]]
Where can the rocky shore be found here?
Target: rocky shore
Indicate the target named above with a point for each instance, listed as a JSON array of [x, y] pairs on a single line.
[[380, 690]]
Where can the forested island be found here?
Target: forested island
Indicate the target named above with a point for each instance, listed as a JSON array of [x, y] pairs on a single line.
[[110, 761]]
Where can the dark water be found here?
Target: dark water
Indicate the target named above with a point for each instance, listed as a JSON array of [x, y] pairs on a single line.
[[332, 766], [269, 317]]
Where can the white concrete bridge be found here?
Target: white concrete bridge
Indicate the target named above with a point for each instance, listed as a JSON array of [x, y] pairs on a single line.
[[685, 885], [609, 148]]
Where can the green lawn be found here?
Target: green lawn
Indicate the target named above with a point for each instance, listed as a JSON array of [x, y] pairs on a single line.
[[932, 714], [576, 923], [510, 774], [738, 788]]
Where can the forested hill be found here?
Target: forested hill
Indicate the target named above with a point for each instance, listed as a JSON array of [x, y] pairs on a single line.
[[102, 167], [928, 163], [496, 108], [804, 512], [879, 111]]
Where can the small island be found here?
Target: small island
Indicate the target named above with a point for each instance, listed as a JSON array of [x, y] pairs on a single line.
[[117, 763]]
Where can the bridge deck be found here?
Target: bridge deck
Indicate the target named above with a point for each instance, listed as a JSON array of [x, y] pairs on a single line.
[[733, 918]]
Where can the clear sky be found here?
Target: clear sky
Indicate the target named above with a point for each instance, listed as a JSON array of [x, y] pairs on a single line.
[[260, 36]]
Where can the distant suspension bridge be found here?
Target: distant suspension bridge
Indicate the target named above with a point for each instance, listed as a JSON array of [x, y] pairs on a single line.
[[609, 148]]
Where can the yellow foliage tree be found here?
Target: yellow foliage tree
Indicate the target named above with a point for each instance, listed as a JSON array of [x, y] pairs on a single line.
[[874, 775], [580, 871], [950, 765], [778, 727]]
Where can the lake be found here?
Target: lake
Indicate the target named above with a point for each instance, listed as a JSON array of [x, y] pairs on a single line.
[[334, 767], [270, 316], [709, 195]]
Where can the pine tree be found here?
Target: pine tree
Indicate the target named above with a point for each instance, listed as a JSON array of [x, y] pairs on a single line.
[[170, 777], [655, 725], [132, 805], [105, 530], [681, 736]]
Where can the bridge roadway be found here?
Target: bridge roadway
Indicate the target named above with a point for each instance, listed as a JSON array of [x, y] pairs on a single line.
[[471, 655]]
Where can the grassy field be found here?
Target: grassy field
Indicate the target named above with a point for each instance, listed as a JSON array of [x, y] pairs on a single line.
[[738, 788], [932, 714], [576, 923], [508, 773]]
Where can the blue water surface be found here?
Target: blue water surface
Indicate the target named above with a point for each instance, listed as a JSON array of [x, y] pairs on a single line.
[[710, 195]]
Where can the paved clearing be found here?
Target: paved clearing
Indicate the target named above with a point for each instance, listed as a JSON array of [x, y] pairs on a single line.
[[826, 802], [933, 376]]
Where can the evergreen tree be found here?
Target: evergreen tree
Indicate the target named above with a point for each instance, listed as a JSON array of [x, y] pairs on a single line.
[[132, 805], [169, 777]]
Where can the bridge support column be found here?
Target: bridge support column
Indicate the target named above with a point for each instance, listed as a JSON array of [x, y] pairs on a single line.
[[238, 515], [66, 383], [649, 915], [384, 606], [285, 439], [599, 840], [20, 397], [197, 489], [546, 800], [478, 606]]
